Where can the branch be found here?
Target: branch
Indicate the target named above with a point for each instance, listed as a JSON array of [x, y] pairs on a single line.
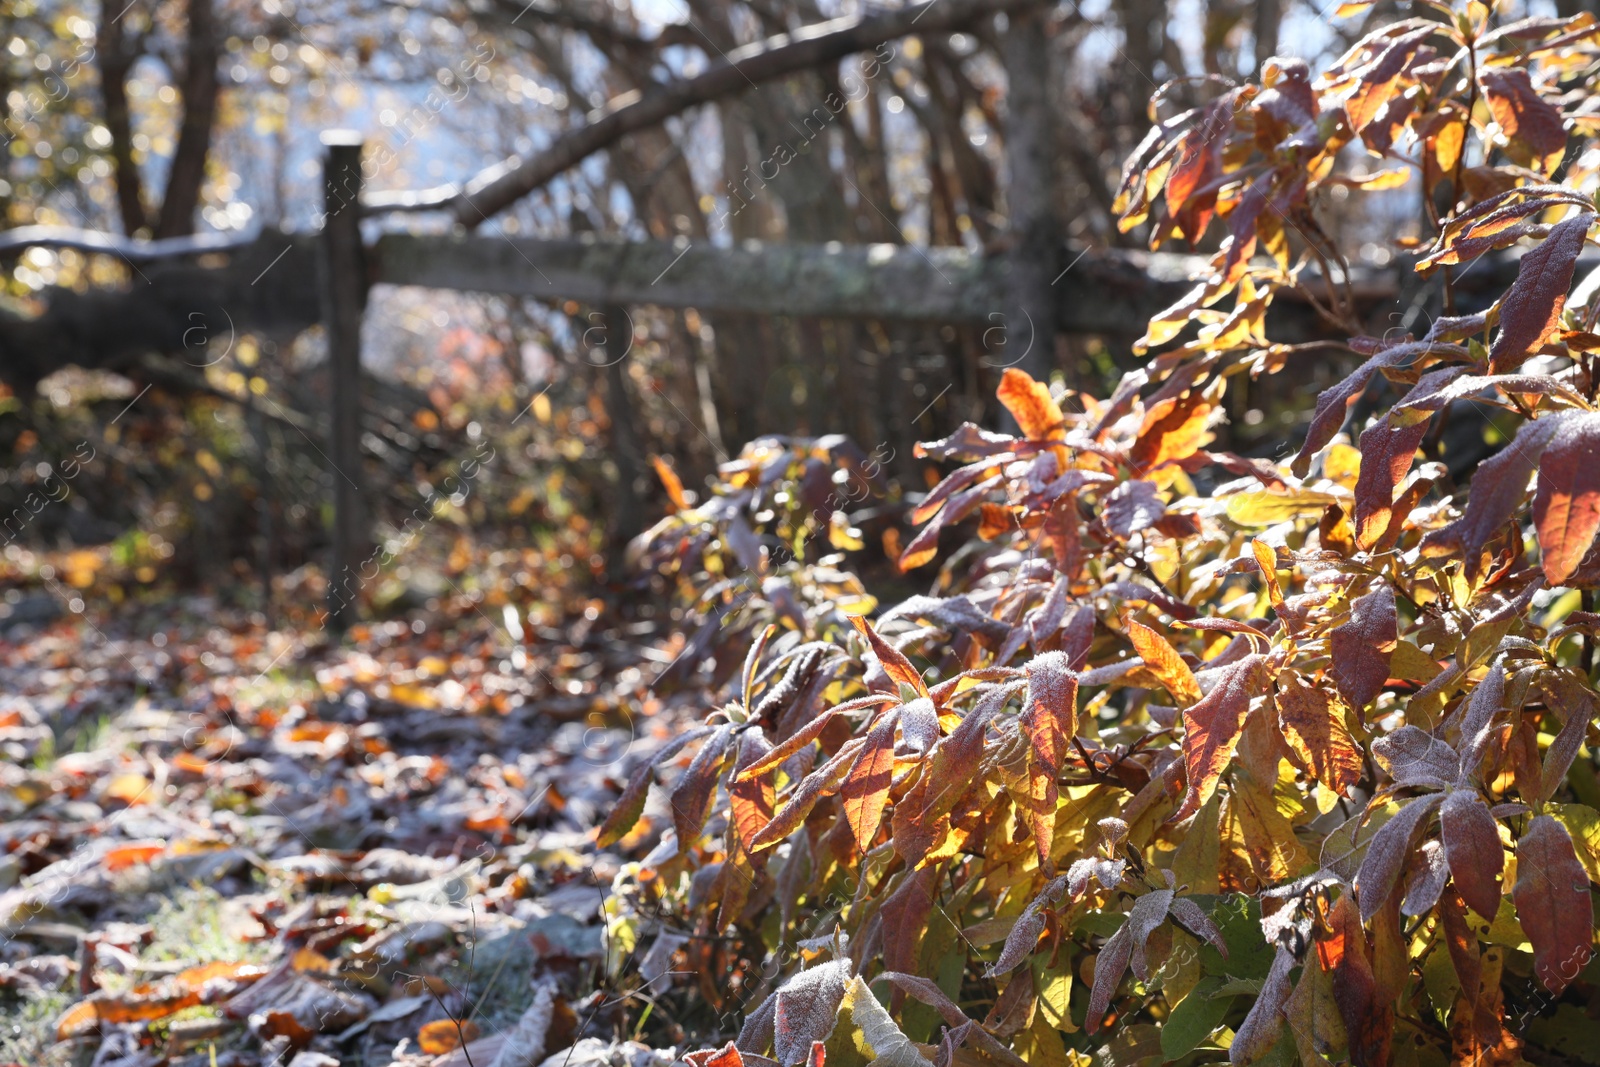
[[497, 188]]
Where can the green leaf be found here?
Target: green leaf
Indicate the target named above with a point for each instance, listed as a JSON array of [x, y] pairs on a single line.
[[1195, 1019]]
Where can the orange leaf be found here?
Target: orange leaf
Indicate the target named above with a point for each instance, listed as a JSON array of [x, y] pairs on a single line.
[[443, 1035], [671, 482], [866, 789], [1164, 662], [1030, 404], [895, 664], [125, 856], [1315, 735]]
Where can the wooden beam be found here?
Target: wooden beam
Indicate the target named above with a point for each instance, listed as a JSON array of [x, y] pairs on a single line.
[[173, 302], [343, 279]]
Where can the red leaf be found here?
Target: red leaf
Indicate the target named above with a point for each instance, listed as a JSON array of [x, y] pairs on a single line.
[[1531, 308], [1552, 898], [1531, 123], [1472, 849], [1387, 448], [1211, 729], [1361, 648], [1566, 506]]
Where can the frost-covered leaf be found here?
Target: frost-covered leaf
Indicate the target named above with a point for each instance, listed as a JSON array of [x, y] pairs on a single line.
[[891, 1047], [1472, 848], [1553, 904]]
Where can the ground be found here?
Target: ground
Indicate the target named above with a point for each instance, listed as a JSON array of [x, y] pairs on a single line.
[[230, 844]]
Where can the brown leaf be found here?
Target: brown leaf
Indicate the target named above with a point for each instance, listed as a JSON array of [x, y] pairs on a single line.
[[691, 797], [630, 805], [1566, 505], [1024, 935], [1316, 734], [1369, 1022], [1030, 404], [1531, 308], [1472, 848], [1211, 730], [1163, 661], [1553, 905], [750, 799], [1532, 124], [1362, 647], [1332, 403]]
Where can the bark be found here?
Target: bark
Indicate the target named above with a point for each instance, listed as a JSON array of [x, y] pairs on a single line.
[[187, 176], [116, 54], [1034, 224]]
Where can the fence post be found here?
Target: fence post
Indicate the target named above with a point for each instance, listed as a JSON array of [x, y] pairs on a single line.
[[344, 296]]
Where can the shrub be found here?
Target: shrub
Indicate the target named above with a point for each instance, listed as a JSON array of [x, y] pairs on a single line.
[[1289, 768]]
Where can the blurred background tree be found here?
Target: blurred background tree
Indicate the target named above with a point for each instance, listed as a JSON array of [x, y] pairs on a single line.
[[161, 118]]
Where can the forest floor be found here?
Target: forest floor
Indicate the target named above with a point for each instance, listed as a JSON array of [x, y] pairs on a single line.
[[223, 844]]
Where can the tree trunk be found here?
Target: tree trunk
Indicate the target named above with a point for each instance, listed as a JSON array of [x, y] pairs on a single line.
[[188, 172], [116, 60], [1034, 226]]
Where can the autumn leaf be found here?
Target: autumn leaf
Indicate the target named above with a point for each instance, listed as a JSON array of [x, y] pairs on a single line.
[[1388, 851], [866, 788], [691, 797], [1532, 125], [895, 664], [1162, 660], [670, 482], [1553, 904], [1211, 730], [1362, 647], [1566, 505], [806, 1008], [1030, 404], [1531, 308], [1315, 734], [1472, 848]]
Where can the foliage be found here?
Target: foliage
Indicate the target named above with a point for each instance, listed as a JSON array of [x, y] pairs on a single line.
[[1302, 752]]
